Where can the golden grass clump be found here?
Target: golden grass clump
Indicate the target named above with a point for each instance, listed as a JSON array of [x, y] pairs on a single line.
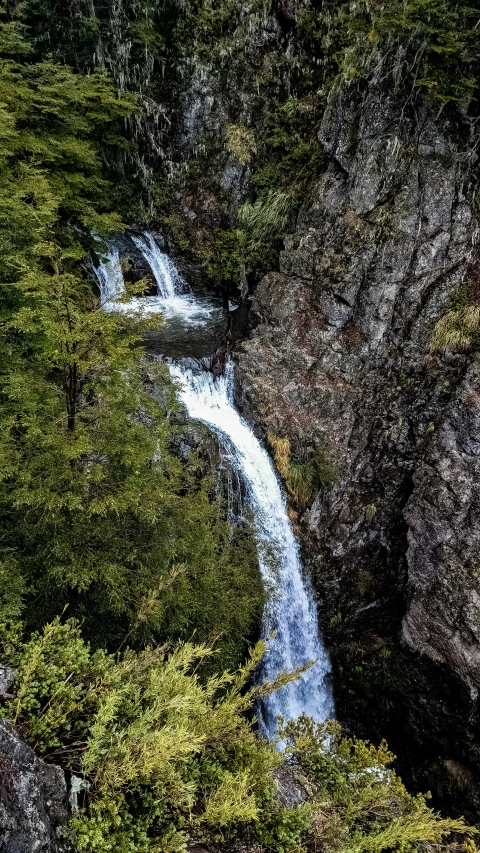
[[240, 143], [456, 330]]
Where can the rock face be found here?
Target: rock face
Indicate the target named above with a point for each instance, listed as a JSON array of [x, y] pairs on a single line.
[[443, 514], [33, 799], [339, 359]]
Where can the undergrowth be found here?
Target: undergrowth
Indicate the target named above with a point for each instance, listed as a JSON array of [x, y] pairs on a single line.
[[168, 756]]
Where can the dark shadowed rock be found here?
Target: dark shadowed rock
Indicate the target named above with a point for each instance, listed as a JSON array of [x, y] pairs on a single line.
[[33, 799], [443, 514]]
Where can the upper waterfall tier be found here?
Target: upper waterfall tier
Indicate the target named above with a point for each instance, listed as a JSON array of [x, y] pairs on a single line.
[[173, 298]]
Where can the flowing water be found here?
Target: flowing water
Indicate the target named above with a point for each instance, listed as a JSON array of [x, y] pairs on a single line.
[[290, 612], [193, 324], [290, 618]]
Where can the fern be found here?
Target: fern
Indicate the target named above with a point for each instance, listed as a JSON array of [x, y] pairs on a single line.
[[269, 217]]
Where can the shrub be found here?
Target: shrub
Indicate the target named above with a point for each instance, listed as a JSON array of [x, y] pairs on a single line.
[[169, 755], [240, 143], [360, 805], [166, 752], [302, 479]]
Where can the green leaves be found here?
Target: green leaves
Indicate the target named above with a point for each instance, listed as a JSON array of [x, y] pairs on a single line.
[[360, 805], [169, 755], [97, 509]]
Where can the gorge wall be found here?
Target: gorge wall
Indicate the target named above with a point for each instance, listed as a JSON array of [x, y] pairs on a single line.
[[339, 359]]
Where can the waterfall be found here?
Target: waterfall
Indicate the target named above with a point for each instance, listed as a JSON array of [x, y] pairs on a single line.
[[171, 300], [110, 279], [290, 612], [169, 283]]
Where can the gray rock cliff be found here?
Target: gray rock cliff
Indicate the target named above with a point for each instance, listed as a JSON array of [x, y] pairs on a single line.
[[339, 359]]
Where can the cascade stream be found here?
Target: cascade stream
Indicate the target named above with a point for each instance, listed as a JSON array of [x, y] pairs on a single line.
[[290, 614]]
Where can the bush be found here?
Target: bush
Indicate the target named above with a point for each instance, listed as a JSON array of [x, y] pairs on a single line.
[[302, 479], [457, 330], [167, 752], [360, 805], [169, 755]]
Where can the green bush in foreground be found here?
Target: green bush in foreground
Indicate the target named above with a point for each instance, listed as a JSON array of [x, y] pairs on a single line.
[[169, 756]]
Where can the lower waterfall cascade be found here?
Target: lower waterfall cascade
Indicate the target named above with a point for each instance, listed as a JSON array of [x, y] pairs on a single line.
[[290, 613], [290, 622]]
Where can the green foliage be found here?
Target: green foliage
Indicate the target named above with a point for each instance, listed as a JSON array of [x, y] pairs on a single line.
[[207, 28], [166, 754], [360, 804], [429, 43], [226, 259], [457, 330], [169, 755], [291, 156], [443, 35], [52, 694], [303, 479], [289, 159], [267, 218]]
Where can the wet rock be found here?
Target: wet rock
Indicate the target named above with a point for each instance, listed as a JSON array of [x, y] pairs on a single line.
[[291, 786], [33, 799], [7, 679]]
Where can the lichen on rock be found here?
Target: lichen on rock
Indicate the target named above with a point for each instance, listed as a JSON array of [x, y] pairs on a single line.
[[33, 799]]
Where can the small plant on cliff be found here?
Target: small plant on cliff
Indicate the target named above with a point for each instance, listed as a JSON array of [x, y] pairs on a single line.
[[267, 218], [458, 330], [240, 143], [302, 479]]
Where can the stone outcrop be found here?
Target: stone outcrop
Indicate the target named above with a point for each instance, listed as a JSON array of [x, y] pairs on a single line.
[[33, 799], [338, 360]]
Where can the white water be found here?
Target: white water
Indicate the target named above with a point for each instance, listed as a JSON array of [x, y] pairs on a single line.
[[290, 613], [169, 282], [172, 300], [110, 280]]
